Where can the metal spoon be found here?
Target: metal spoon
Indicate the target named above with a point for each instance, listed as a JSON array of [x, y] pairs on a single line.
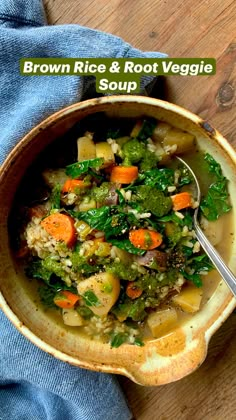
[[210, 250]]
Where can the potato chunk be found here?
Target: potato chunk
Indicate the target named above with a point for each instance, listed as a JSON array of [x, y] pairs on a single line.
[[189, 299], [100, 292], [86, 147], [72, 318], [183, 140], [104, 150], [161, 322], [160, 131]]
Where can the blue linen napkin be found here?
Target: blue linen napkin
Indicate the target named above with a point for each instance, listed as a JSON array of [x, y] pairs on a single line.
[[33, 384]]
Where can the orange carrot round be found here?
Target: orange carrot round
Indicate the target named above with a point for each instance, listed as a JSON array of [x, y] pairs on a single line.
[[124, 174], [60, 227], [65, 299], [133, 291], [181, 201], [145, 238], [71, 185]]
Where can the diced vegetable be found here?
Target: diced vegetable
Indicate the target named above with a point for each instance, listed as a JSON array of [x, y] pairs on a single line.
[[104, 150], [161, 322], [65, 299], [53, 177], [86, 147], [71, 185], [72, 318], [87, 204], [133, 291], [160, 131], [136, 129], [145, 238], [100, 292], [183, 140], [124, 174], [189, 299], [83, 229], [60, 227], [181, 201]]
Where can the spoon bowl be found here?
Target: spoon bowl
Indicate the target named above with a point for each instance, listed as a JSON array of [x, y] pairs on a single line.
[[224, 271]]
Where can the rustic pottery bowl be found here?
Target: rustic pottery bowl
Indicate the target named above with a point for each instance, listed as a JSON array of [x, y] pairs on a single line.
[[162, 360]]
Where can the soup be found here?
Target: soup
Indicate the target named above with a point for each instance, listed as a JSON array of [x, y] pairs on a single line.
[[106, 229]]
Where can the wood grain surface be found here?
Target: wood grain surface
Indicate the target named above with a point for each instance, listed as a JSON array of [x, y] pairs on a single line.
[[181, 28]]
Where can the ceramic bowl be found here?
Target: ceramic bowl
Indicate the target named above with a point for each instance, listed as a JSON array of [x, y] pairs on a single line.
[[162, 360]]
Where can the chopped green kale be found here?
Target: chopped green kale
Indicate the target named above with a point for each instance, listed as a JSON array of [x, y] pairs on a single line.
[[76, 169], [216, 202]]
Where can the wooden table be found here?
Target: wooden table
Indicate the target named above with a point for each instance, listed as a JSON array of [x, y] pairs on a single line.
[[203, 28]]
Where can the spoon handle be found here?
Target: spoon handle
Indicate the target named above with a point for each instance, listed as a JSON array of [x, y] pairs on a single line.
[[216, 259]]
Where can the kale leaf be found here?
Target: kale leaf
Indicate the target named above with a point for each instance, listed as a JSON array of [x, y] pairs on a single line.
[[127, 246], [55, 198], [76, 169], [216, 202]]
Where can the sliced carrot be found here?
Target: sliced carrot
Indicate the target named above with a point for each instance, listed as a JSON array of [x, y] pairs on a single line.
[[71, 185], [124, 174], [145, 238], [65, 299], [181, 201], [60, 227], [133, 291]]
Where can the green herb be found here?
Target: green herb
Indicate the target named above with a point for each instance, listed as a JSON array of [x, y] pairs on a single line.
[[149, 161], [122, 270], [91, 299], [121, 198], [195, 278], [132, 152], [153, 200], [80, 264], [44, 271], [200, 264], [101, 193], [118, 339], [110, 219], [216, 202], [76, 169], [37, 271], [185, 177], [130, 309], [54, 267], [127, 246], [55, 198], [138, 342], [147, 129], [46, 294], [159, 178], [85, 312]]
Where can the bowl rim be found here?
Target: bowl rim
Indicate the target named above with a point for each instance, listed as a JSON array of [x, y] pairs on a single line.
[[44, 124]]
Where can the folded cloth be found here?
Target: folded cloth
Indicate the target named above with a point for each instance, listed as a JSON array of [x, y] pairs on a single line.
[[33, 384]]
